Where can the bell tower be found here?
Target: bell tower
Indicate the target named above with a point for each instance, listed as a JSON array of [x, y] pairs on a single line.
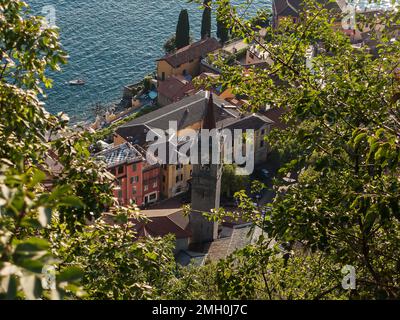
[[206, 187]]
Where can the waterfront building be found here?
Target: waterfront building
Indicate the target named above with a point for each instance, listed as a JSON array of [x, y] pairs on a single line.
[[186, 61]]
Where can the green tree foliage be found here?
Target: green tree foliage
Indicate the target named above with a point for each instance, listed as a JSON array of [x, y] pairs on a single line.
[[262, 19], [222, 31], [194, 283], [182, 38], [231, 182], [27, 49], [50, 188], [343, 143], [170, 45], [206, 20], [262, 271], [117, 264]]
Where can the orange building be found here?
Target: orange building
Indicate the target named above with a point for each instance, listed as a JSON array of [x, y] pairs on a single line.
[[186, 61]]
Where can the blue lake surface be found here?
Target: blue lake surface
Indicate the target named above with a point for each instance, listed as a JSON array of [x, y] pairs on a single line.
[[111, 43]]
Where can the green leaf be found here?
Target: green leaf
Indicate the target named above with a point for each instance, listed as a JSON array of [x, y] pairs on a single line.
[[70, 274], [152, 256], [34, 266], [32, 245], [29, 222], [71, 201], [359, 137], [38, 176]]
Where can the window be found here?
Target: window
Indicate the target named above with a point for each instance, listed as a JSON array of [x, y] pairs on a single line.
[[134, 167], [181, 177], [153, 197], [134, 190], [120, 170], [163, 76], [177, 179], [120, 194], [146, 187], [163, 179], [155, 184], [134, 179]]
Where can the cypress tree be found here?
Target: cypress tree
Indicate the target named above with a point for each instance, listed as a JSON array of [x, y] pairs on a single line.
[[206, 20], [183, 30], [222, 31]]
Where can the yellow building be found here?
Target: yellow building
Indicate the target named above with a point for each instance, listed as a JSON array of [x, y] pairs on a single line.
[[175, 179], [186, 61]]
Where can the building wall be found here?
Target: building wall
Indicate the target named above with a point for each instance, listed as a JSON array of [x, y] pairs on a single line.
[[181, 244], [227, 94], [206, 191], [151, 185], [195, 126], [118, 140], [124, 175], [175, 180], [132, 180], [261, 147], [135, 182], [192, 68], [252, 58]]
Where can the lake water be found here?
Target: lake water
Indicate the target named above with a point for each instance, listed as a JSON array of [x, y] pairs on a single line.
[[110, 44]]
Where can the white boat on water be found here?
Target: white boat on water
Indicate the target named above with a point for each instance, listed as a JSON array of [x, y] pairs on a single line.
[[78, 82]]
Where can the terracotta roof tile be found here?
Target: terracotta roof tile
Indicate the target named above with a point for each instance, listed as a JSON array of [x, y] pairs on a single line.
[[193, 51], [175, 88]]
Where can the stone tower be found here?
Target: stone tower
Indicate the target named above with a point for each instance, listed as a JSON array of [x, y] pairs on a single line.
[[206, 188]]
